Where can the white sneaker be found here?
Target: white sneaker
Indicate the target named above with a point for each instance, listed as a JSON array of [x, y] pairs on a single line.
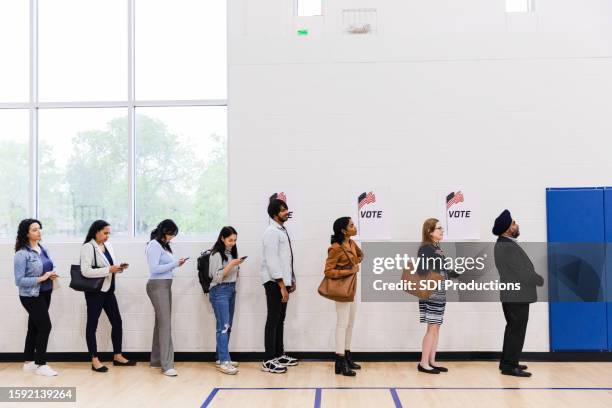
[[287, 361], [227, 368], [46, 371], [234, 363], [272, 366], [31, 366], [170, 373]]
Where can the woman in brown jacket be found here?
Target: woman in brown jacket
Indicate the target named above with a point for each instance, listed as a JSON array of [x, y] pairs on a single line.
[[343, 259]]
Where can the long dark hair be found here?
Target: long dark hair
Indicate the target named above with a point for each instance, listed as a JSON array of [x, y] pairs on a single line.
[[166, 227], [22, 240], [339, 225], [96, 227], [220, 246]]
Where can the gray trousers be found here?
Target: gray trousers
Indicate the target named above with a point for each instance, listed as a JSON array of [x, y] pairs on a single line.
[[162, 352]]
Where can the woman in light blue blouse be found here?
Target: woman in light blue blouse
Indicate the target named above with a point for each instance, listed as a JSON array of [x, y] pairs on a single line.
[[159, 289]]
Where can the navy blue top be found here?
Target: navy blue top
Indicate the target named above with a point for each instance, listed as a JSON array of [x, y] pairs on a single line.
[[47, 267], [109, 258]]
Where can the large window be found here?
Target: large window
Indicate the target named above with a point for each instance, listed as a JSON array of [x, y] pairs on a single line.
[[82, 169], [181, 167], [113, 109], [14, 177]]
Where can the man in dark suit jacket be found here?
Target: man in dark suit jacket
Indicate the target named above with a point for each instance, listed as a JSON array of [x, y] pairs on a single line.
[[514, 267]]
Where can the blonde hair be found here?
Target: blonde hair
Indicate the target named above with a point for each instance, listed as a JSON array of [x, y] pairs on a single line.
[[428, 227]]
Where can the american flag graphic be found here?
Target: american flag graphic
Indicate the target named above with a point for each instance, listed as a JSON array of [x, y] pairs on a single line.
[[279, 196], [454, 198], [366, 198]]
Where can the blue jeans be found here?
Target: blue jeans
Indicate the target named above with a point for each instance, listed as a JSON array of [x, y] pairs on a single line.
[[223, 300]]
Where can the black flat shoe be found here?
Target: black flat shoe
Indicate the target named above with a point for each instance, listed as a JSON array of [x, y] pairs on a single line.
[[516, 372], [439, 368], [129, 363], [102, 369], [424, 370], [522, 367]]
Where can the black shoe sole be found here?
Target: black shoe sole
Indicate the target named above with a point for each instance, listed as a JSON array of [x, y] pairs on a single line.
[[525, 375], [130, 363], [424, 370]]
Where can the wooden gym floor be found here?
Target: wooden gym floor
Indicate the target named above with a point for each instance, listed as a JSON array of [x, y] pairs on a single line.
[[313, 384]]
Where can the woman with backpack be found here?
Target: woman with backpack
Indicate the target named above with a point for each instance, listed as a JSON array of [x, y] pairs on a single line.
[[223, 270]]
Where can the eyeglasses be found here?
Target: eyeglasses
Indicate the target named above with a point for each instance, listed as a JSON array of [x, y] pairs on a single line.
[[440, 228]]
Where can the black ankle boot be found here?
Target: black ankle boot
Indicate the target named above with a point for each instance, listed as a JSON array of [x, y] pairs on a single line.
[[349, 360], [342, 367]]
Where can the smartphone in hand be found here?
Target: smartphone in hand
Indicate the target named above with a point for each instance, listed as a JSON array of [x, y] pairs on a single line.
[[243, 258]]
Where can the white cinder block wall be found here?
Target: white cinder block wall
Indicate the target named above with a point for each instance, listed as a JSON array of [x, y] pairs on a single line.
[[444, 94]]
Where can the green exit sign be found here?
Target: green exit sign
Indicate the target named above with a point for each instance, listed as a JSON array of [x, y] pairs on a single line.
[[302, 32]]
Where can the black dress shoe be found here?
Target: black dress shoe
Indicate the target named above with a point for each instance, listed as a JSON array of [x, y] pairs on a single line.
[[439, 368], [519, 366], [128, 363], [424, 370], [102, 369], [516, 372]]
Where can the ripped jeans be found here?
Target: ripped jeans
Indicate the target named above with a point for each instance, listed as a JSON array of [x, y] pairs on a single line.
[[223, 300]]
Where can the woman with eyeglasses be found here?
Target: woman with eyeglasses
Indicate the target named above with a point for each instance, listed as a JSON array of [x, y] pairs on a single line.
[[431, 310], [162, 264]]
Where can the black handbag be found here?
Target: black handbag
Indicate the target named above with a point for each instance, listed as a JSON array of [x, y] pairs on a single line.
[[82, 284]]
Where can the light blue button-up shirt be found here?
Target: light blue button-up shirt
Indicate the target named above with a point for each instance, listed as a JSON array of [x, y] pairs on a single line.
[[161, 262], [277, 260]]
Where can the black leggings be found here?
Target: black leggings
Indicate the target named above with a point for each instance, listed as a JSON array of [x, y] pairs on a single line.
[[39, 327], [95, 303]]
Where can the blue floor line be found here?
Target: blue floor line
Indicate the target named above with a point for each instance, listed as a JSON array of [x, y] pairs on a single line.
[[317, 402], [393, 390], [396, 400], [208, 400], [416, 388]]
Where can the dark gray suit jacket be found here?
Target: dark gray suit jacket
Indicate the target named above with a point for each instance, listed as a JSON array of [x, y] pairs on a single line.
[[514, 266]]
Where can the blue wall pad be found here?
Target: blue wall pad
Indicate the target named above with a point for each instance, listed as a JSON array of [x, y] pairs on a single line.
[[576, 269]]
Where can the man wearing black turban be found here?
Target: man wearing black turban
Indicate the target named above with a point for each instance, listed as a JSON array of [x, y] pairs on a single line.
[[514, 267]]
